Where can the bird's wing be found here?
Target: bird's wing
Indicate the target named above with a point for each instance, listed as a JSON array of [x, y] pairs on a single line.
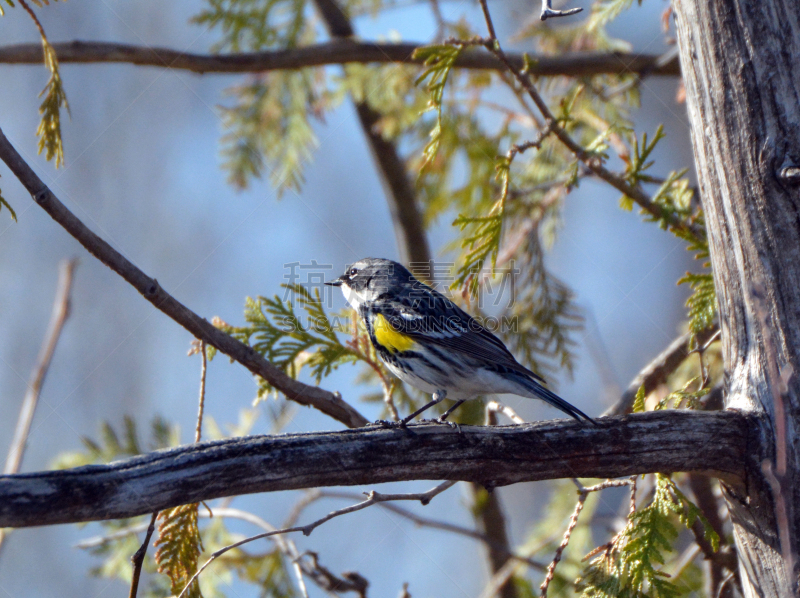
[[441, 322]]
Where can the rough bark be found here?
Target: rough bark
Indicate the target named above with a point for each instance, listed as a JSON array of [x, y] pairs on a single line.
[[740, 65], [666, 441]]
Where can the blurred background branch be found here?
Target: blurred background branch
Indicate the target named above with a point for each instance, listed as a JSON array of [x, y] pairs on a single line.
[[337, 51]]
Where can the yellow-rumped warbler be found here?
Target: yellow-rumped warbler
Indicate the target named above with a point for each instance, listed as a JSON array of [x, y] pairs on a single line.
[[431, 343]]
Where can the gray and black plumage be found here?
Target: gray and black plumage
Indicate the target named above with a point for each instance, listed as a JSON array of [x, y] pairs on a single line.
[[428, 341]]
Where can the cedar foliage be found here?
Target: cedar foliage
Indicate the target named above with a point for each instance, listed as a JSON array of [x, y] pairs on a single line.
[[178, 547]]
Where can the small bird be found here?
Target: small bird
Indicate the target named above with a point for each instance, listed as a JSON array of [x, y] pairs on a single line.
[[431, 343]]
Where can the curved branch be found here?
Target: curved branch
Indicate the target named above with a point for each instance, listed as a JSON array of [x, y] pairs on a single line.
[[666, 441], [326, 401], [341, 51]]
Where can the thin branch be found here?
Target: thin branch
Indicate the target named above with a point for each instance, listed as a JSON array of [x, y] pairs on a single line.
[[488, 18], [327, 402], [340, 51], [495, 407], [301, 584], [202, 400], [684, 560], [666, 441], [499, 579], [138, 557], [434, 524], [308, 498], [319, 574], [583, 494], [372, 498], [33, 16], [59, 315]]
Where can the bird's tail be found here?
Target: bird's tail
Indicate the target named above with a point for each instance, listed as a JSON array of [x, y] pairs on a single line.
[[548, 396]]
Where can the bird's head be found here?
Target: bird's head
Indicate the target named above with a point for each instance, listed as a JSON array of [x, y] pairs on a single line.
[[368, 279]]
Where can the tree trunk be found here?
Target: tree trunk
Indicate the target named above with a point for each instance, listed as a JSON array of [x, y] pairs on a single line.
[[741, 68]]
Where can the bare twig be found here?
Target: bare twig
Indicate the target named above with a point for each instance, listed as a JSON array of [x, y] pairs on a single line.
[[319, 574], [327, 402], [684, 560], [521, 148], [301, 584], [339, 51], [202, 399], [310, 497], [316, 494], [583, 494], [372, 498], [573, 521], [138, 557], [495, 407], [59, 315], [499, 579], [33, 16], [632, 503]]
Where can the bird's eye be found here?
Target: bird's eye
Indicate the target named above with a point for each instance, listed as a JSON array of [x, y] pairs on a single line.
[[353, 271]]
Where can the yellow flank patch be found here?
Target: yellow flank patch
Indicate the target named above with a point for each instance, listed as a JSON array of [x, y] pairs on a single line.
[[389, 338]]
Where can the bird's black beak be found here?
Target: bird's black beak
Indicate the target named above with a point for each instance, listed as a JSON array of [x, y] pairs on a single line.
[[336, 282]]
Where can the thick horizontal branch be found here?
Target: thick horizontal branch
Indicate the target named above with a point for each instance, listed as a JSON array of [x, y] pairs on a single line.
[[335, 52], [666, 441], [327, 402]]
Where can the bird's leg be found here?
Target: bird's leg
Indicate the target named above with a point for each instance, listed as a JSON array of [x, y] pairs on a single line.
[[443, 416], [438, 397]]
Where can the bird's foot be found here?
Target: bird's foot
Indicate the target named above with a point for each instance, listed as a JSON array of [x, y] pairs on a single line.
[[388, 424], [440, 421], [393, 425]]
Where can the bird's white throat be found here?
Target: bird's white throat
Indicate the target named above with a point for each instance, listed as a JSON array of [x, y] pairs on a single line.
[[354, 298]]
